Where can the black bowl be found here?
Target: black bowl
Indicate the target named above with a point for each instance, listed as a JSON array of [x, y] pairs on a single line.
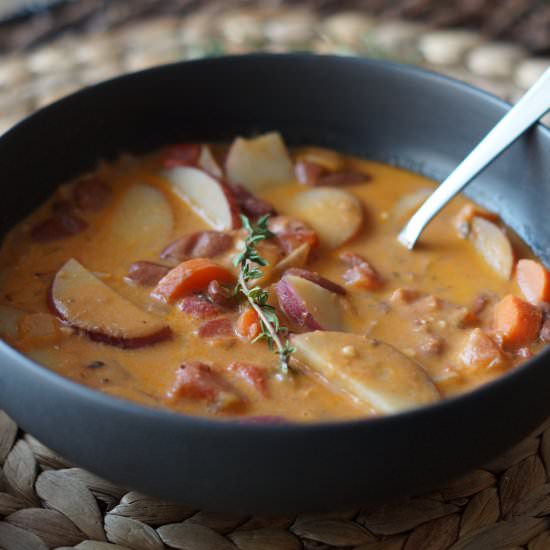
[[379, 110]]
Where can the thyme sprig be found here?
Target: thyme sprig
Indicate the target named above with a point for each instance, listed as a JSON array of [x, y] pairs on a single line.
[[250, 261]]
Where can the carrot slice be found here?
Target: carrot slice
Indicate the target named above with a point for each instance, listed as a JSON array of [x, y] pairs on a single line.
[[189, 277], [516, 321], [248, 324], [534, 281]]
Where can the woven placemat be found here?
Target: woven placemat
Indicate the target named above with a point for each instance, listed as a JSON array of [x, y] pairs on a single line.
[[46, 503]]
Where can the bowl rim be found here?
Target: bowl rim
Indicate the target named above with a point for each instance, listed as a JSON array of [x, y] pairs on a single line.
[[179, 419]]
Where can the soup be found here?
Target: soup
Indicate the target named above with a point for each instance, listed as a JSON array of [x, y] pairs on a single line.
[[253, 281]]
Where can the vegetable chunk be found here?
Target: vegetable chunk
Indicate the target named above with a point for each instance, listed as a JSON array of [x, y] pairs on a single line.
[[493, 245], [481, 351], [199, 382], [189, 277], [534, 281], [210, 198], [334, 214], [516, 321], [88, 304], [259, 163], [309, 305], [373, 372]]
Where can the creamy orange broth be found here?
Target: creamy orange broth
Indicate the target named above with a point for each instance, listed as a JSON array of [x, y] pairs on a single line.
[[443, 265]]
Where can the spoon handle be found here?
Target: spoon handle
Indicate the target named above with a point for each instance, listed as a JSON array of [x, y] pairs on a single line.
[[532, 106]]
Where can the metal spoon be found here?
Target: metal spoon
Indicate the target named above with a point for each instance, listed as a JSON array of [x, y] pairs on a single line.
[[532, 106]]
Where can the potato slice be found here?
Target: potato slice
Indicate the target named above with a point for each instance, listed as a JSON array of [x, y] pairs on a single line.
[[142, 221], [494, 246], [334, 214], [297, 258], [208, 163], [309, 305], [371, 371], [88, 304], [259, 163], [211, 199]]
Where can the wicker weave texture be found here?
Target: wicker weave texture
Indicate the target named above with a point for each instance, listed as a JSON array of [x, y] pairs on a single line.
[[47, 503]]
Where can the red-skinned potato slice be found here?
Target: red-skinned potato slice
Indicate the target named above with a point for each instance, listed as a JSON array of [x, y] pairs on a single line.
[[317, 279], [209, 197], [297, 258], [373, 372], [493, 245], [308, 305], [259, 163], [335, 215], [208, 163], [89, 305]]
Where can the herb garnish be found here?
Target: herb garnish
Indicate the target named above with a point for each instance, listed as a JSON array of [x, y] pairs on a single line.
[[249, 261]]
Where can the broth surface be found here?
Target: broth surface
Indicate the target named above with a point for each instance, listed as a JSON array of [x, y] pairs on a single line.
[[428, 303]]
